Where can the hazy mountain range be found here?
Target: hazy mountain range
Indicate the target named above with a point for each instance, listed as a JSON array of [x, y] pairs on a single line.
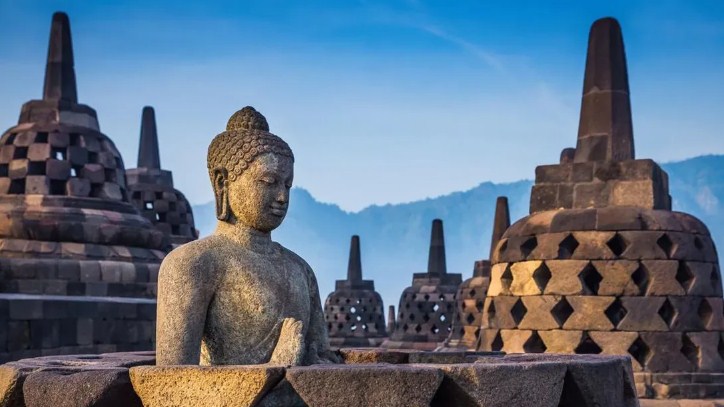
[[395, 238]]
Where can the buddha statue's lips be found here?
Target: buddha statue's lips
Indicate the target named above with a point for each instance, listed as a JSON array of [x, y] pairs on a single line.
[[278, 210]]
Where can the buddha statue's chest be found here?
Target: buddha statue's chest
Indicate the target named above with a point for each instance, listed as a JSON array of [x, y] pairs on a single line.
[[258, 295]]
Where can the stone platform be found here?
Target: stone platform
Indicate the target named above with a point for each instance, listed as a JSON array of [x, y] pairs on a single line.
[[374, 377]]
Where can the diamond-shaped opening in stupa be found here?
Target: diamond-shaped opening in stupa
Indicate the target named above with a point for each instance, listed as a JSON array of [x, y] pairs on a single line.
[[640, 351], [617, 244], [518, 311], [684, 275], [567, 247], [590, 278], [541, 276], [528, 246], [615, 312], [587, 346], [667, 312], [561, 311], [690, 350], [640, 277], [534, 344], [666, 244]]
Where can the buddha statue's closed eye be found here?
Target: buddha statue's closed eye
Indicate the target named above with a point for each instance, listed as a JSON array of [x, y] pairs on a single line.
[[237, 297]]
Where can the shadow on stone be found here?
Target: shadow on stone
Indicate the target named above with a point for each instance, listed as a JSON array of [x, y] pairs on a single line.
[[571, 395]]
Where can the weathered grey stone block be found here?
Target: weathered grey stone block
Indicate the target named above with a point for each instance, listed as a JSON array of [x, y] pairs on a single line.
[[574, 219], [509, 384], [71, 388], [591, 195], [373, 385], [160, 386]]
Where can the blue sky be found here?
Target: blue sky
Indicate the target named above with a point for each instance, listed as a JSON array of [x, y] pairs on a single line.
[[382, 101]]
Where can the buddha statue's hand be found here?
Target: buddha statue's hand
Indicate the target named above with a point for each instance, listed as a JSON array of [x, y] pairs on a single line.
[[289, 350]]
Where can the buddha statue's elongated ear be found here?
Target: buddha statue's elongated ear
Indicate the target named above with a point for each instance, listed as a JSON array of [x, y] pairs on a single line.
[[221, 193]]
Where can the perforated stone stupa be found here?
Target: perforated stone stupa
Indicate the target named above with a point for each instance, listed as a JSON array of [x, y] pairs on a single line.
[[471, 294], [68, 236], [602, 265], [354, 311], [151, 188], [424, 318]]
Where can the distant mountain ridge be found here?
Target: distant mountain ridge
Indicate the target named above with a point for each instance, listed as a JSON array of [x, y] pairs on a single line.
[[395, 238]]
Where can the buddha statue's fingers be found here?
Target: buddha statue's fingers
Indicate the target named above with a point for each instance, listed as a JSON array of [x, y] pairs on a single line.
[[290, 345]]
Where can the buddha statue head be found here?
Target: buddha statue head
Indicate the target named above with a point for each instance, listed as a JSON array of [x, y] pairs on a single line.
[[251, 171]]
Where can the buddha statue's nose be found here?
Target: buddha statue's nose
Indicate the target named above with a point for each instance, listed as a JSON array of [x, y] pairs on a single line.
[[283, 196]]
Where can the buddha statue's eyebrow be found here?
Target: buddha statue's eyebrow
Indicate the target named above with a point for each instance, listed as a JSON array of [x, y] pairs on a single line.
[[271, 173]]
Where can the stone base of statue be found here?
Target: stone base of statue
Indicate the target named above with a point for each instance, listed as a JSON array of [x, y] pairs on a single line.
[[369, 377]]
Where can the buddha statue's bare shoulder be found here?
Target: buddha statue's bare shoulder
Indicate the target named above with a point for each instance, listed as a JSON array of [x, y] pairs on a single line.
[[206, 253]]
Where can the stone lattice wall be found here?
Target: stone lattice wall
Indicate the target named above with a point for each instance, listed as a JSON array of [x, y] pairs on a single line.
[[57, 159], [424, 315], [355, 314], [167, 209], [468, 313], [619, 280]]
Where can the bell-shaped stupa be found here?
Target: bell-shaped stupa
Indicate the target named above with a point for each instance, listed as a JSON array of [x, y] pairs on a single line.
[[602, 264], [471, 294], [354, 311], [67, 230], [151, 190], [424, 317]]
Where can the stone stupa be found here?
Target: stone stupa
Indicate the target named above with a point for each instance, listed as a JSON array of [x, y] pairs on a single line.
[[78, 263], [424, 318], [471, 294], [354, 312], [151, 188], [602, 265]]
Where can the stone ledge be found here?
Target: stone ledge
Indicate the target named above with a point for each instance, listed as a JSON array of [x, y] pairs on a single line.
[[495, 380], [104, 375]]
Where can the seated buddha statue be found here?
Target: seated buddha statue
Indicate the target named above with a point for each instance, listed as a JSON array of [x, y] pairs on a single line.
[[236, 296]]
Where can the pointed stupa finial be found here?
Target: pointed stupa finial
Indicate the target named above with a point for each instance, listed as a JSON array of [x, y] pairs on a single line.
[[354, 270], [501, 222], [59, 71], [605, 131], [436, 260], [148, 154]]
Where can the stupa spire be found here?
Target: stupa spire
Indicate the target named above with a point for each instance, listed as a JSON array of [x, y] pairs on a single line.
[[354, 270], [436, 260], [148, 155], [59, 71], [605, 130], [501, 222]]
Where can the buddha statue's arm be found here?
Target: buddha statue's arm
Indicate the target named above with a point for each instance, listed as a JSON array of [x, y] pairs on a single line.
[[185, 288], [317, 340]]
